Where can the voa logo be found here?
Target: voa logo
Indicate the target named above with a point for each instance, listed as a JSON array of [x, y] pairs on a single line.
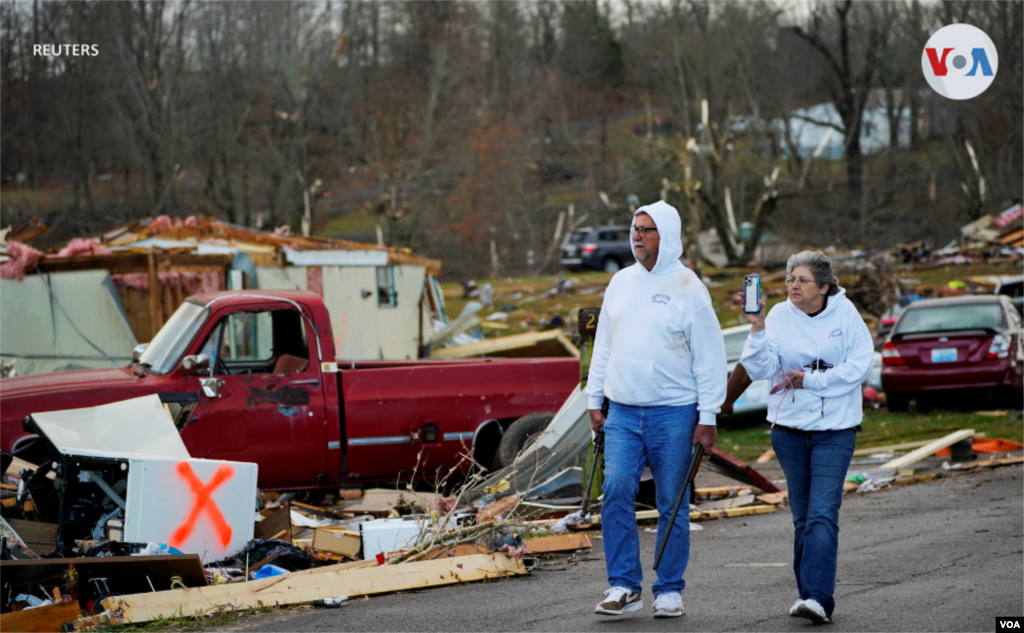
[[959, 61]]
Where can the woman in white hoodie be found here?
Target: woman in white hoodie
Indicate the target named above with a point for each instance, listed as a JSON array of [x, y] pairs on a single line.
[[816, 351]]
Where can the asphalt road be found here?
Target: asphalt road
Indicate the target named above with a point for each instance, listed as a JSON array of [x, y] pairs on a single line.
[[938, 556]]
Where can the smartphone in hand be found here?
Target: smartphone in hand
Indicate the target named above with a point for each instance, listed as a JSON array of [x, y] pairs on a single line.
[[751, 294]]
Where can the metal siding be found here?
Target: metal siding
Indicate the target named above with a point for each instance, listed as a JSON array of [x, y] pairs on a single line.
[[87, 300], [399, 326], [277, 278], [354, 319], [33, 325]]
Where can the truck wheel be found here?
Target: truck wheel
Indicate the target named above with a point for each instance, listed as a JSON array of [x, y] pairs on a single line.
[[897, 401], [518, 435], [611, 265]]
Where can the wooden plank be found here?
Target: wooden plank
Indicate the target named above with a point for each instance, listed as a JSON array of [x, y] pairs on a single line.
[[41, 538], [983, 463], [721, 491], [559, 543], [928, 449], [90, 622], [274, 523], [765, 457], [156, 316], [18, 464], [890, 447], [49, 618], [121, 263], [525, 340], [731, 502], [297, 589], [729, 513], [774, 498], [320, 512], [124, 573]]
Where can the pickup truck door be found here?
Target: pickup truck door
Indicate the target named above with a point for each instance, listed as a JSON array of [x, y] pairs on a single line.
[[266, 403]]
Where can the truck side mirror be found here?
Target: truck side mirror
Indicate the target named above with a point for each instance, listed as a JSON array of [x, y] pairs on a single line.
[[137, 352], [196, 364]]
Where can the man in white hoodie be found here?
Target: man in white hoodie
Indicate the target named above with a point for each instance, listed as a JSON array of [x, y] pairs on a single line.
[[659, 358], [816, 351]]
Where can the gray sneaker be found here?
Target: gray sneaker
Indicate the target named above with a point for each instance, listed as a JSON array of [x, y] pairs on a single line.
[[793, 609], [668, 605], [811, 610], [619, 600]]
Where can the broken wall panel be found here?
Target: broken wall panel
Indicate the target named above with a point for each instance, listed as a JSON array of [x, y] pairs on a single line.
[[38, 333]]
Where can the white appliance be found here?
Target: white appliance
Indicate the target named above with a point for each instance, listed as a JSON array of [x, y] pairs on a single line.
[[124, 466]]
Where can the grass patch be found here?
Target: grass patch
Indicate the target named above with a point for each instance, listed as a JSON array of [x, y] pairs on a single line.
[[350, 223], [189, 624], [882, 427]]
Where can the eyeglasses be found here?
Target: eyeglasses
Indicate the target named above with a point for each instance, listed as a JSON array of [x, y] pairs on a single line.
[[800, 280], [641, 230]]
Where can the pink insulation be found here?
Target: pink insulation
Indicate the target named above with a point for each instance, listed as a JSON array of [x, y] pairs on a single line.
[[82, 246], [22, 258]]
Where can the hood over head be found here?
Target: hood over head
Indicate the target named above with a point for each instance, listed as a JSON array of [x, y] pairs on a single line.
[[666, 218]]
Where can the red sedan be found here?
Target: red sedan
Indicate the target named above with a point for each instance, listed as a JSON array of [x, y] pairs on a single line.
[[962, 343]]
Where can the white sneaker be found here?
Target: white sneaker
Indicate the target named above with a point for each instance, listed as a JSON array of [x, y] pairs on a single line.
[[811, 610], [668, 605], [793, 609], [619, 600]]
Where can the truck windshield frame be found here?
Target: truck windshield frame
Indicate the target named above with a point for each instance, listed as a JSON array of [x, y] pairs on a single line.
[[169, 344]]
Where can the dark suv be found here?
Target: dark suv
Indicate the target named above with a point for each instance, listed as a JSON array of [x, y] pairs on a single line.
[[604, 248]]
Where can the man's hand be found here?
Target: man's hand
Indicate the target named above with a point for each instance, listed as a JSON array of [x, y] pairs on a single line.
[[796, 378], [756, 319], [596, 420], [706, 434]]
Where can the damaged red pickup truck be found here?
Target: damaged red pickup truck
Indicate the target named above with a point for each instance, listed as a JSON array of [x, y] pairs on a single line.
[[251, 376]]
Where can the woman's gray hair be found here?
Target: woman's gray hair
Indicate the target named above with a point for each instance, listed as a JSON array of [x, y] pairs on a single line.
[[820, 266]]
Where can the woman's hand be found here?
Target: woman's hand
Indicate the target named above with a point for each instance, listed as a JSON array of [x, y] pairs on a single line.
[[756, 319], [796, 378]]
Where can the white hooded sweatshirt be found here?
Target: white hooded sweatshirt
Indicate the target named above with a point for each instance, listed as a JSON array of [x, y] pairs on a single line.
[[833, 348], [658, 340]]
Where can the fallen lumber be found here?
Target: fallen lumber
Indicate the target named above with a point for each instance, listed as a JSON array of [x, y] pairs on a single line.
[[988, 463], [123, 573], [890, 447], [928, 449], [49, 618], [559, 543], [732, 502], [297, 589], [730, 513], [90, 622], [527, 344], [648, 515], [721, 491], [41, 538]]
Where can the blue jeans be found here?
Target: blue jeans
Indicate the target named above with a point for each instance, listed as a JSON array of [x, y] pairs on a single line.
[[634, 437], [815, 465]]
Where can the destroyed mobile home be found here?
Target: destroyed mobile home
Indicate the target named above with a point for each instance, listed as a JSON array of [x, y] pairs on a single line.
[[92, 302]]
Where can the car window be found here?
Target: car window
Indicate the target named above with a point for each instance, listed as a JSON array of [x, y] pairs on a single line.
[[1015, 289], [734, 344], [578, 237], [612, 236], [951, 317]]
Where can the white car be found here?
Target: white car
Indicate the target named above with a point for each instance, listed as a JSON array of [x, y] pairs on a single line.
[[755, 398]]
